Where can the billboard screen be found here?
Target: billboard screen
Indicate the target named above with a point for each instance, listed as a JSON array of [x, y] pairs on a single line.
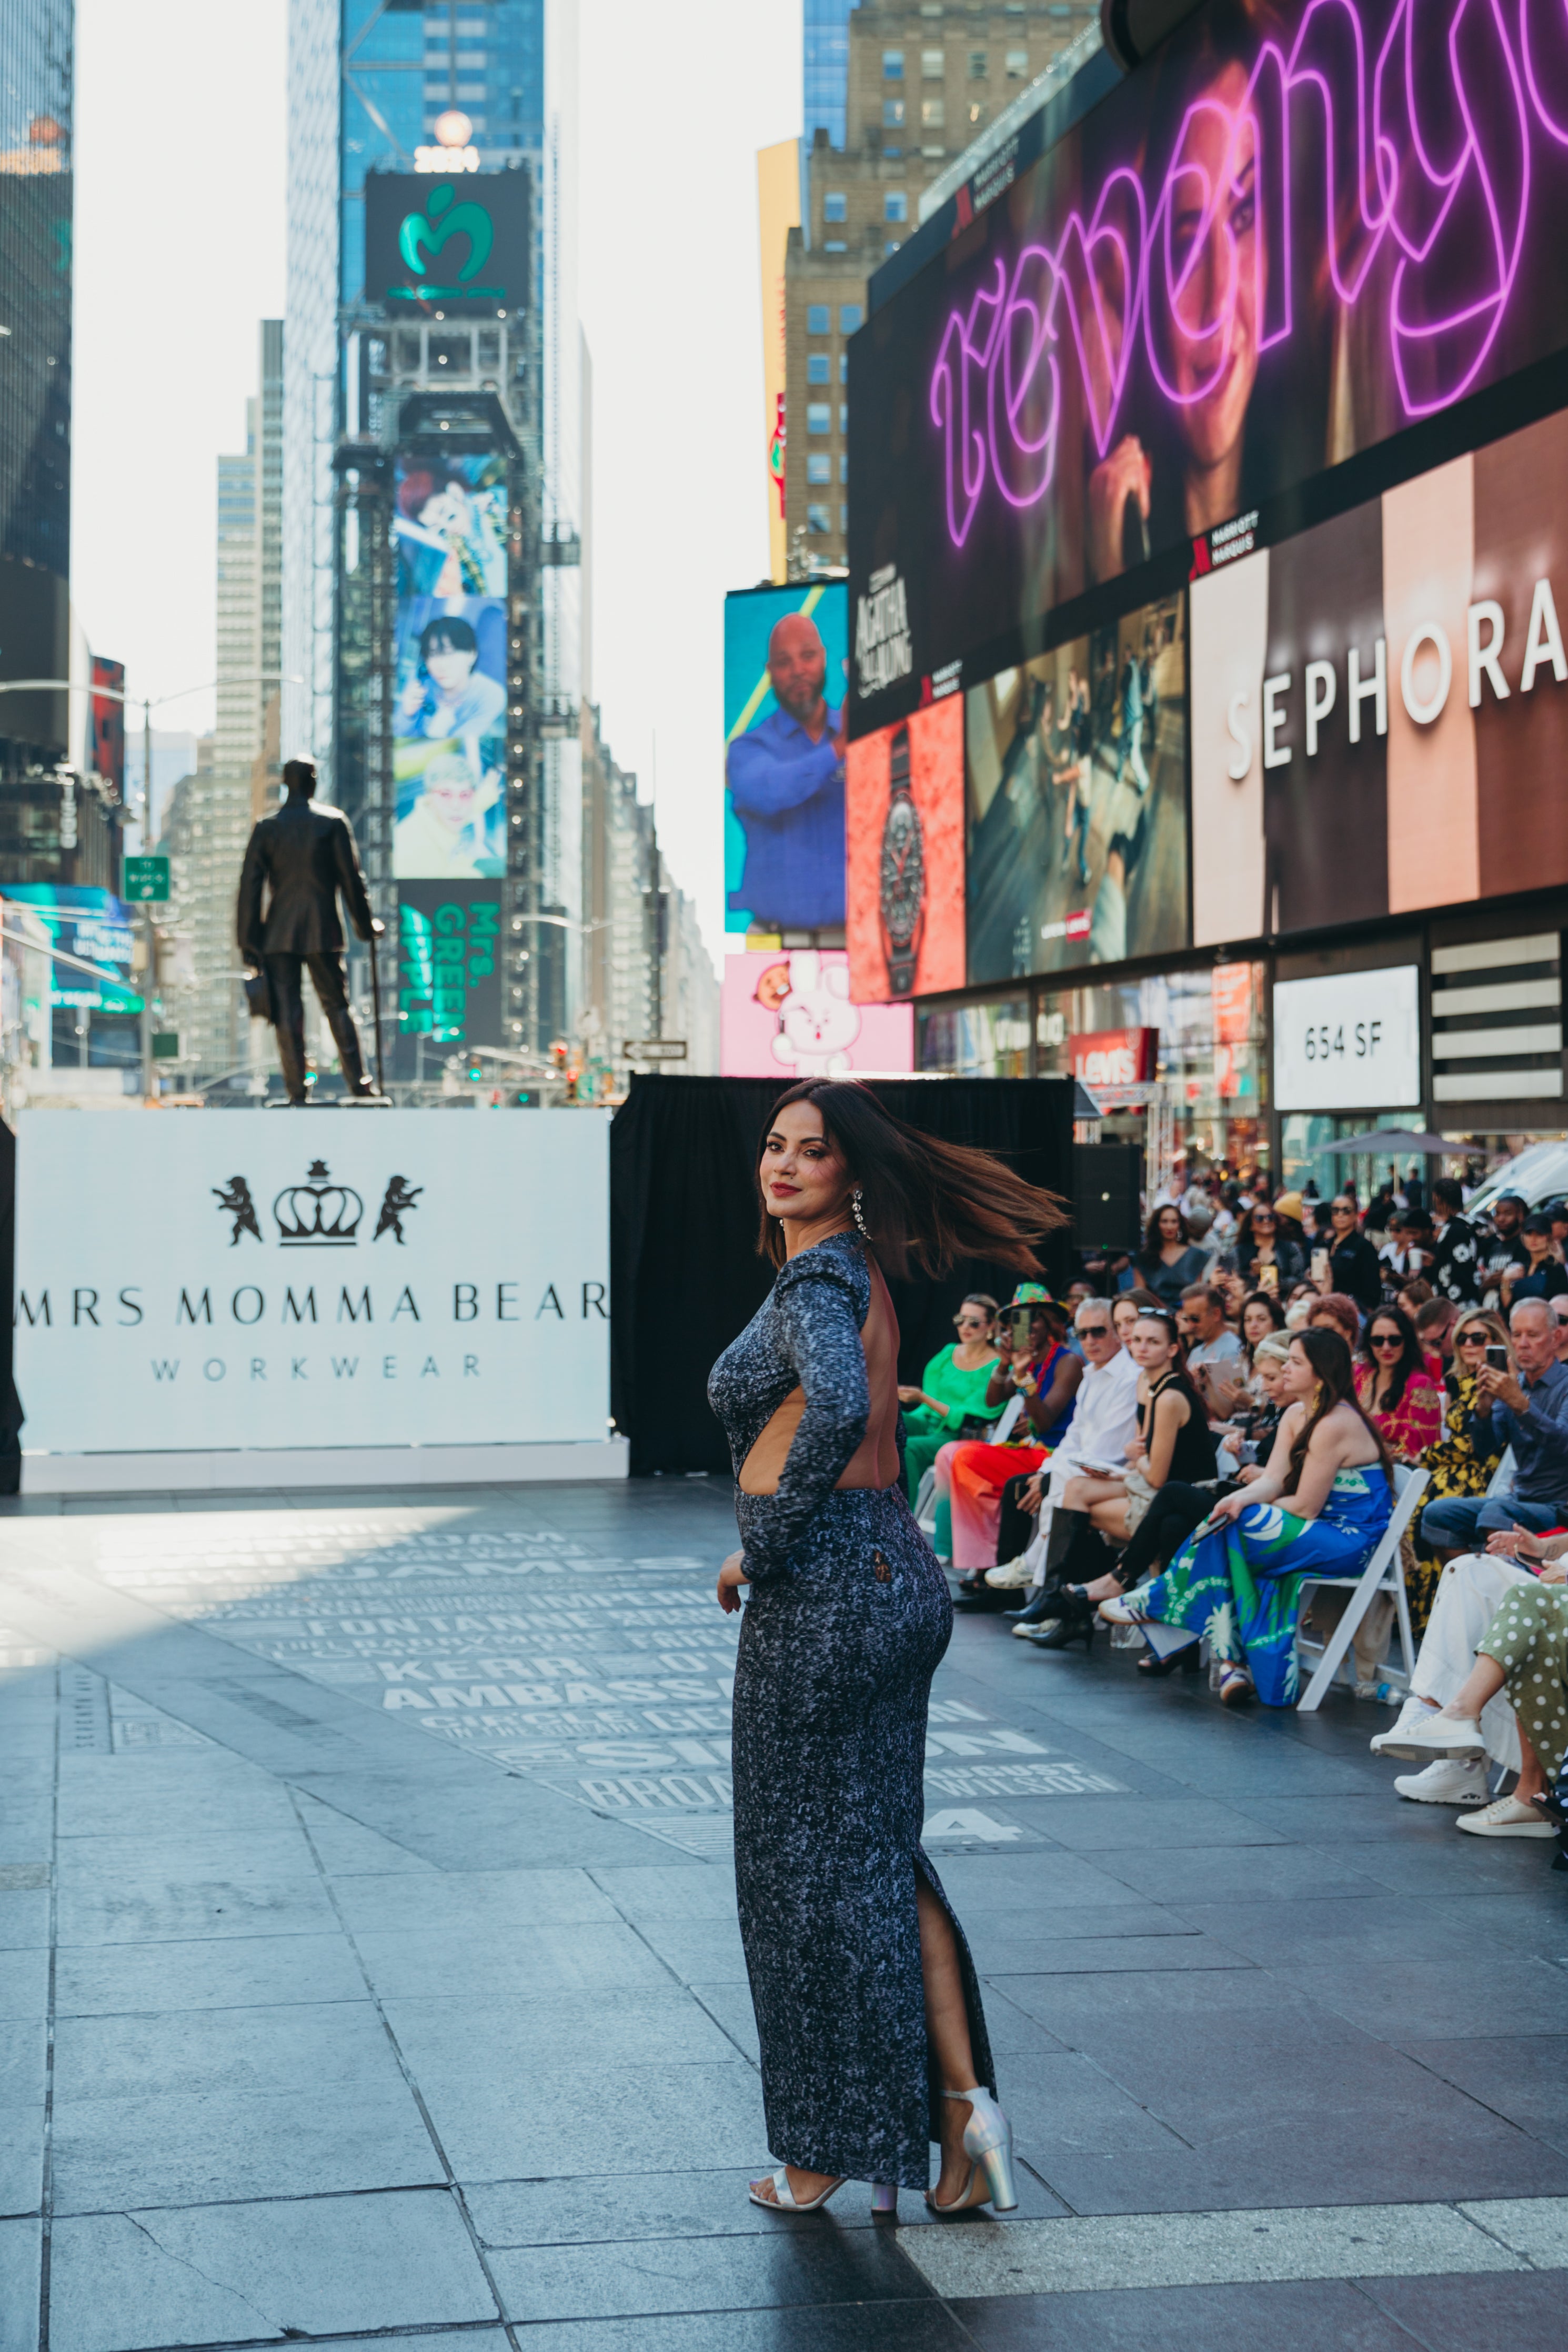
[[785, 663], [1395, 679], [1293, 233], [1077, 805], [449, 711], [791, 1015], [434, 243], [904, 822], [107, 757], [91, 925], [448, 963]]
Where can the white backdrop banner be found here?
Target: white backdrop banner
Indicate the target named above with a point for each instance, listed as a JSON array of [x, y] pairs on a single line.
[[406, 1277]]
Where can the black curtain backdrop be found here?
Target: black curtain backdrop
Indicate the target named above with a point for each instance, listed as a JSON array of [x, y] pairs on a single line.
[[684, 1270]]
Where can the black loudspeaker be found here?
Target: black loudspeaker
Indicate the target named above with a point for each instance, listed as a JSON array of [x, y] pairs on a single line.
[[1107, 1189]]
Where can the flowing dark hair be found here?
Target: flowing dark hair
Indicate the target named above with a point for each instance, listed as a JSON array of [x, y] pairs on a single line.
[[1412, 1359], [1154, 1241], [922, 1199], [1328, 1352]]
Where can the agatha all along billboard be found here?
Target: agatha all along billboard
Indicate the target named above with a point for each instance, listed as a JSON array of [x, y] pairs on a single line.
[[1293, 235]]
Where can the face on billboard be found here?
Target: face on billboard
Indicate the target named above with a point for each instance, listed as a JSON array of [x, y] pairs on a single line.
[[792, 1016], [449, 522], [783, 763], [449, 737], [1076, 804], [1253, 260], [1382, 681], [905, 839]]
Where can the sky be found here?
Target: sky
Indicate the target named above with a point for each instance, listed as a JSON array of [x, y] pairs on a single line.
[[181, 115]]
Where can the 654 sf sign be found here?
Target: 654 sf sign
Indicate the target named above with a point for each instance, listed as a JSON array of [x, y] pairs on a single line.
[[441, 1281], [1349, 1041]]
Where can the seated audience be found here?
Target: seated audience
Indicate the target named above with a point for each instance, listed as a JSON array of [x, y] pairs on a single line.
[[1321, 1509], [1126, 1309], [1546, 1276], [1559, 1309], [970, 1473], [1525, 1652], [1503, 1249], [1336, 1312], [1169, 1259], [1436, 1321], [1460, 1462], [1395, 1386], [1105, 1418], [953, 1393], [1526, 1408]]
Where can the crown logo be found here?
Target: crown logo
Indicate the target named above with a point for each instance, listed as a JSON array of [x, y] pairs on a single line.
[[317, 1213]]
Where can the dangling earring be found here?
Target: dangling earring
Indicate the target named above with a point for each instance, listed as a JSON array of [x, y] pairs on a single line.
[[854, 1212]]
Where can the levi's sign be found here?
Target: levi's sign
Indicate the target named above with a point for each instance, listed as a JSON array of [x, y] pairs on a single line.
[[441, 1280]]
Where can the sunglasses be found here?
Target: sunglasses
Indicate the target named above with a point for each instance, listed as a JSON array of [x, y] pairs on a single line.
[[1094, 1330], [1387, 1339], [1482, 1339]]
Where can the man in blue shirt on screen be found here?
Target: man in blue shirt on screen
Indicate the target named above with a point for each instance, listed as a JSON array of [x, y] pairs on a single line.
[[786, 785]]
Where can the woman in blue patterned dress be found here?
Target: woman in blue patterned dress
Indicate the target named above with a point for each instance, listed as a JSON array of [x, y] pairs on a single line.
[[868, 2015], [1318, 1509]]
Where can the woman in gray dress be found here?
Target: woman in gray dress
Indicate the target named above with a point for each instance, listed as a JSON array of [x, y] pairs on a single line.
[[868, 2014]]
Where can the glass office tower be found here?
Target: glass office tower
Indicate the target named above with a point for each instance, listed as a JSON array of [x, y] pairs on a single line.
[[827, 53]]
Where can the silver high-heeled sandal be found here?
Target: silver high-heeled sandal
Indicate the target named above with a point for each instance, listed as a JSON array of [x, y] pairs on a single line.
[[783, 2198], [988, 2143]]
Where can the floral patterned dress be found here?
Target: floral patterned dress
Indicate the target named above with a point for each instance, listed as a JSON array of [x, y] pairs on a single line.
[[1237, 1585], [1459, 1464]]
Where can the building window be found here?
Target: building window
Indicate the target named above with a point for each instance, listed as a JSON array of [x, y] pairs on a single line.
[[844, 466], [892, 246], [892, 64], [818, 523], [818, 416], [934, 64], [844, 416], [818, 319], [934, 113], [835, 207], [843, 367], [979, 65], [819, 468], [977, 112], [850, 316], [844, 520], [1017, 64], [892, 114], [816, 368], [834, 244], [895, 204]]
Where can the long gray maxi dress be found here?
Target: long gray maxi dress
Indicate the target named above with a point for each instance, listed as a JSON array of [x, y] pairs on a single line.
[[848, 1618]]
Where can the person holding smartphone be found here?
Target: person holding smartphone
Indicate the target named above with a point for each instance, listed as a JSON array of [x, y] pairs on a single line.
[[1265, 1258], [1526, 1408], [1035, 1363]]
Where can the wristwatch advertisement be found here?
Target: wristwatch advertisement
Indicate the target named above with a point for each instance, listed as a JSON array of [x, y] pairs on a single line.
[[903, 873]]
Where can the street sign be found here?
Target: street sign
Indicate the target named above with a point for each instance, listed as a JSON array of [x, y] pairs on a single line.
[[655, 1049], [166, 1044], [147, 879]]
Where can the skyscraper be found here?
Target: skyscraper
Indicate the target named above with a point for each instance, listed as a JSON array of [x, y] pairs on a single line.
[[35, 184], [427, 87], [825, 43]]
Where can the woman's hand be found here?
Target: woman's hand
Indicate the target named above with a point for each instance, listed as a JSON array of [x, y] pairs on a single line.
[[1250, 1471], [1231, 1506], [1135, 1451], [1026, 1385], [1032, 1493], [731, 1576], [1516, 1539], [911, 1397]]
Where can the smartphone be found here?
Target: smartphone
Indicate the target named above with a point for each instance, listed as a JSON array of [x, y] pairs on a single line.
[[1319, 1264], [1268, 1277], [1018, 1320], [1497, 1359]]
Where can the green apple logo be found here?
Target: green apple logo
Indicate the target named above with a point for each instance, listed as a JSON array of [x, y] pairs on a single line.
[[427, 232]]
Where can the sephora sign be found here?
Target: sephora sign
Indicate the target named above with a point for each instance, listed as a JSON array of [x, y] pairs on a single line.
[[1278, 244], [396, 1278]]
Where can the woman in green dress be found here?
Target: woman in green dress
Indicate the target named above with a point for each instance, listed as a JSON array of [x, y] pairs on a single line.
[[954, 1392]]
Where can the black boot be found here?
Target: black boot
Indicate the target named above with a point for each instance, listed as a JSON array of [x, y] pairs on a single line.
[[1186, 1661], [1043, 1606], [1074, 1612]]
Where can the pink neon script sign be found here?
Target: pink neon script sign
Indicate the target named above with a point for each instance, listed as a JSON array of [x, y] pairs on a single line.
[[1420, 213]]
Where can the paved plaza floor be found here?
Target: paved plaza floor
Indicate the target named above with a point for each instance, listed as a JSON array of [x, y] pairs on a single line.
[[368, 1970]]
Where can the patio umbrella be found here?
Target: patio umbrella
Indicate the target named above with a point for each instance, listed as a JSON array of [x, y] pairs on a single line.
[[1398, 1140]]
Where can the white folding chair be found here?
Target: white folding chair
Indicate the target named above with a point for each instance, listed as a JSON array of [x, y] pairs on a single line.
[[1383, 1573]]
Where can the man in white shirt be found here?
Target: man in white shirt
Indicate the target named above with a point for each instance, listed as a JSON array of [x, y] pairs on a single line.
[[1104, 1421]]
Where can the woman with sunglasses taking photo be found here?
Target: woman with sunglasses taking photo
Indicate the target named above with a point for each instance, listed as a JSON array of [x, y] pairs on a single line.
[[1462, 1460], [1265, 1258]]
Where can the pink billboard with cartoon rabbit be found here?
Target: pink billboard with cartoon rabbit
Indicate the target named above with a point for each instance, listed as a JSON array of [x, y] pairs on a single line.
[[787, 1014]]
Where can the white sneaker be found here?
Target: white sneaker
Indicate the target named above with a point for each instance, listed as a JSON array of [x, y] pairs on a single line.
[[1414, 1711], [1450, 1781], [1507, 1818], [1011, 1576], [1438, 1735]]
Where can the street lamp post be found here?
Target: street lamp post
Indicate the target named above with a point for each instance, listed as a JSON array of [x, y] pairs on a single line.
[[148, 704]]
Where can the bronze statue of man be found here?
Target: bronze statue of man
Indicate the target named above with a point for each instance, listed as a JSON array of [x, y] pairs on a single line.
[[304, 855]]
